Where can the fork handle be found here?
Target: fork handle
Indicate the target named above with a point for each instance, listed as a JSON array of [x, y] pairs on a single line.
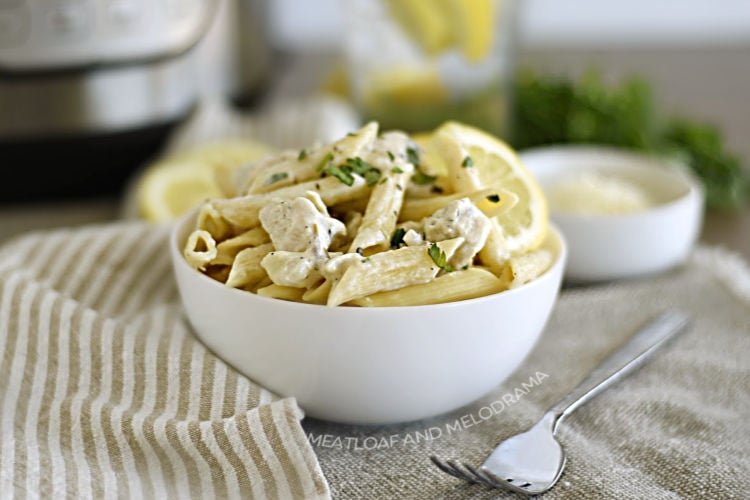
[[630, 356]]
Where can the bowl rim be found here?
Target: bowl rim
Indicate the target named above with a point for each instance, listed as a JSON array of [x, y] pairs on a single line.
[[175, 250], [694, 190]]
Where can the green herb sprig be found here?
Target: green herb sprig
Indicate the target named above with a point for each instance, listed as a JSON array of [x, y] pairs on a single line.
[[278, 176], [439, 258], [353, 166], [397, 239], [552, 110]]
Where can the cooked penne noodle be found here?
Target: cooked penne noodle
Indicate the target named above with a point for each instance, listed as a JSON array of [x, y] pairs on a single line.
[[494, 255], [450, 287], [200, 249], [379, 219], [303, 167], [227, 250], [318, 294], [419, 208], [281, 292], [246, 269], [462, 179], [264, 282], [209, 219], [389, 270], [355, 205], [529, 266], [243, 211]]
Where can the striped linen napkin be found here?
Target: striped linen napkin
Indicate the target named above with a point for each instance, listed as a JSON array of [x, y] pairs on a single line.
[[105, 393]]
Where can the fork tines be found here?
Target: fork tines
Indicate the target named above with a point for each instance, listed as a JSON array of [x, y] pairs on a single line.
[[473, 475]]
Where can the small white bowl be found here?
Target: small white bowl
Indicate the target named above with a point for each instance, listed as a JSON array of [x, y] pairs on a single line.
[[607, 247], [369, 365]]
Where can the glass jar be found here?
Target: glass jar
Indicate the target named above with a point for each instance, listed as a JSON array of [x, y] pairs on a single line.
[[414, 64]]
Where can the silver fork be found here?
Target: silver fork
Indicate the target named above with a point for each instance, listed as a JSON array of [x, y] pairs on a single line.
[[531, 463]]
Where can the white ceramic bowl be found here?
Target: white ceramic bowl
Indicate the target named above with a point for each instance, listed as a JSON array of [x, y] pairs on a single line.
[[606, 247], [369, 365]]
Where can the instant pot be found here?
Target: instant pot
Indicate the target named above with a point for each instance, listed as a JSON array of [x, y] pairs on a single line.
[[91, 88]]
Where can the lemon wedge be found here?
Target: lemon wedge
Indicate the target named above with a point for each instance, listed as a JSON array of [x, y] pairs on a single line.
[[524, 226], [171, 187], [425, 21], [438, 25], [472, 22], [169, 190]]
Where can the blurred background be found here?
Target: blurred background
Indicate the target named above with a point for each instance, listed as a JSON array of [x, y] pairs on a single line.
[[92, 91]]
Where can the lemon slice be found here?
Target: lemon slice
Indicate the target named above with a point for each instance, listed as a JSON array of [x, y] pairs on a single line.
[[171, 187], [169, 190], [524, 226], [473, 24], [437, 25], [425, 21]]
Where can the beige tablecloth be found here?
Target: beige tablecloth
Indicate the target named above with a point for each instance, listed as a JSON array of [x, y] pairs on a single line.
[[104, 392], [678, 428]]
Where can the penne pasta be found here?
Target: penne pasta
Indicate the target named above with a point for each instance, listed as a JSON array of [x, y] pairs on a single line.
[[419, 208], [209, 219], [227, 250], [244, 211], [379, 219], [450, 287], [281, 292], [200, 249], [389, 270], [304, 166], [246, 270], [318, 294], [526, 267]]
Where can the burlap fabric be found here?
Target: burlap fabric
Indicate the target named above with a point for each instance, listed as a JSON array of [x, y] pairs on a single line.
[[105, 393], [678, 428]]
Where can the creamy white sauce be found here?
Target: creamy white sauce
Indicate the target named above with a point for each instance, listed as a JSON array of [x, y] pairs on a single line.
[[297, 225], [460, 218]]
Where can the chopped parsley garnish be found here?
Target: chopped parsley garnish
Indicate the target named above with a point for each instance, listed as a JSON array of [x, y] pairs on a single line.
[[359, 166], [494, 198], [422, 179], [302, 155], [324, 162], [397, 170], [373, 176], [278, 176], [354, 166], [351, 134], [390, 155], [341, 173], [398, 237], [439, 258], [365, 260], [468, 162], [413, 156]]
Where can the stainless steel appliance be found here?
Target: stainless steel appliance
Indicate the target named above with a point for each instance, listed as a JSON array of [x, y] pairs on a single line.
[[90, 88]]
